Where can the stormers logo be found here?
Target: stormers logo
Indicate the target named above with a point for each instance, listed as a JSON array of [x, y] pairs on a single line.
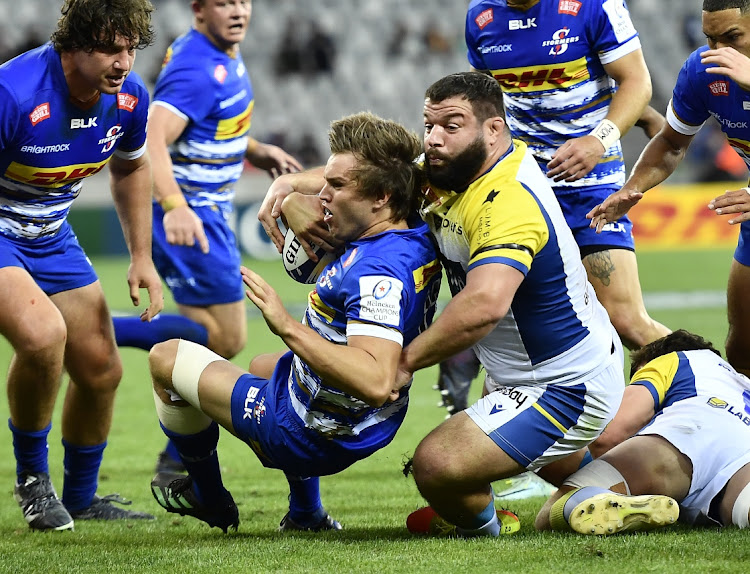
[[113, 134], [540, 78], [559, 42], [235, 127], [717, 403], [52, 177]]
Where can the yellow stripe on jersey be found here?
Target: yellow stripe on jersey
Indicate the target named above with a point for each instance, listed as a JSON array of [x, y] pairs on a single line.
[[550, 418], [660, 373], [743, 146], [52, 177], [490, 215], [541, 78], [235, 127], [321, 309], [423, 275]]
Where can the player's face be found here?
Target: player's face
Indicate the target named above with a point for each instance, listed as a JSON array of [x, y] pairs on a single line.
[[727, 28], [454, 144], [102, 70], [224, 22], [347, 213]]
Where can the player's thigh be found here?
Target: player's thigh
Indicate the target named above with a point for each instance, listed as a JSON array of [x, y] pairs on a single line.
[[734, 487], [738, 313], [216, 385], [91, 352], [614, 275], [651, 465], [459, 449], [29, 319]]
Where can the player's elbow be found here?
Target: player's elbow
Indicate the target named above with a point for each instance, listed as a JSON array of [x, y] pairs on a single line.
[[608, 440], [377, 397]]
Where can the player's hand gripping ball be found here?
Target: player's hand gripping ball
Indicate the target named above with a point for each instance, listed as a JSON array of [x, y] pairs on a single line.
[[298, 265]]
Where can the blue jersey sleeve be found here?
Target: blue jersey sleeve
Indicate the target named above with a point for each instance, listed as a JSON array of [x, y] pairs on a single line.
[[133, 102], [375, 294], [609, 26], [177, 87], [9, 116], [688, 102], [471, 31]]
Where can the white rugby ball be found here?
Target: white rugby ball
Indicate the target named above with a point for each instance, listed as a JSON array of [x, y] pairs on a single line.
[[298, 265]]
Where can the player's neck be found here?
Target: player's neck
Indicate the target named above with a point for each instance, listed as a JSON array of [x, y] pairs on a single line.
[[521, 4], [81, 93]]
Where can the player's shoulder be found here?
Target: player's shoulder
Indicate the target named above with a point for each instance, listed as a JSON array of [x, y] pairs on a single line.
[[135, 85], [29, 73], [192, 53]]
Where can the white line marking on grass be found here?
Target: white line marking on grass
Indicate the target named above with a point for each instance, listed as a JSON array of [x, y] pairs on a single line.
[[685, 300]]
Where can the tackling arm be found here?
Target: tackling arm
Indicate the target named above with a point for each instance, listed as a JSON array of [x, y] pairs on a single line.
[[467, 318]]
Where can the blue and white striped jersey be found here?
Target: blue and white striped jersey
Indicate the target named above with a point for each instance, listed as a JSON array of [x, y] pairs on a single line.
[[383, 286], [208, 156], [48, 145], [549, 61]]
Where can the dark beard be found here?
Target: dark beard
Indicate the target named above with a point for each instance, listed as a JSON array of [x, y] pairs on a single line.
[[456, 174]]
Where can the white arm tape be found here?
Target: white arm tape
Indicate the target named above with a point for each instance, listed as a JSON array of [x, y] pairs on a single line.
[[189, 363], [741, 508], [607, 133]]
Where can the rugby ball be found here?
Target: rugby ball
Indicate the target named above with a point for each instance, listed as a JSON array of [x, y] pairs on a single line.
[[298, 265]]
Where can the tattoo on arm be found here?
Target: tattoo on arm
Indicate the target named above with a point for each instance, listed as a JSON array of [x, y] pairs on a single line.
[[601, 266]]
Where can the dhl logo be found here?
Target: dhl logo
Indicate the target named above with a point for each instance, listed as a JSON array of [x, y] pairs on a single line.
[[539, 78], [235, 127], [52, 177]]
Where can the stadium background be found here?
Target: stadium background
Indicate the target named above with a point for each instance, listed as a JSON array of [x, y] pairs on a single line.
[[313, 61]]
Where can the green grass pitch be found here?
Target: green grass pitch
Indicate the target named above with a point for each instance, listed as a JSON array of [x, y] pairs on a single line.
[[371, 499]]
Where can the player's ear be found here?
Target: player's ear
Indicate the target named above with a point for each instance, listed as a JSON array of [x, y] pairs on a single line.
[[495, 127]]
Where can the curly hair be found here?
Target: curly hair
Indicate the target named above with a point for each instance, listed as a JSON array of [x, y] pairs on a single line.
[[386, 152], [91, 25], [680, 340]]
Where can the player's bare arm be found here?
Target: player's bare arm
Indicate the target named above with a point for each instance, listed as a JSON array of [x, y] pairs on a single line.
[[131, 191], [467, 318], [181, 225], [727, 61], [365, 367], [657, 161], [636, 410], [578, 156], [651, 122], [303, 214], [308, 182], [271, 158]]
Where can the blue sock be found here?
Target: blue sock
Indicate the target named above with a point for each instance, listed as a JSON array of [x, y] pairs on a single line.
[[30, 449], [171, 450], [579, 496], [198, 454], [305, 507], [485, 523], [81, 474], [132, 332]]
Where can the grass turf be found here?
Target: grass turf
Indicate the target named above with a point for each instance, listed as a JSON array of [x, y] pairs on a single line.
[[371, 499]]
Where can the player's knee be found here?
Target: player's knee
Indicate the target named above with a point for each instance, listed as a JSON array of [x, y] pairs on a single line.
[[161, 360], [229, 344], [99, 372], [41, 339], [432, 466]]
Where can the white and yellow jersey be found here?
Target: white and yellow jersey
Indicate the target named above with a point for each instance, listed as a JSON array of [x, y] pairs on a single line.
[[702, 408], [556, 331]]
